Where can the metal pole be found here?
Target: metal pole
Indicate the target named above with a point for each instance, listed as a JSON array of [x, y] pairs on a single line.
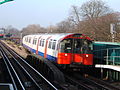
[[101, 73], [107, 64], [113, 38], [112, 31], [107, 57], [114, 57], [21, 39]]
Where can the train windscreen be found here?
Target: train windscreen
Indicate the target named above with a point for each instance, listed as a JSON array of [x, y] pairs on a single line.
[[72, 45]]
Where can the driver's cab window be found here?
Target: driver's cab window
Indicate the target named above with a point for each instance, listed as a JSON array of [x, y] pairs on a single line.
[[87, 46], [65, 46], [77, 45]]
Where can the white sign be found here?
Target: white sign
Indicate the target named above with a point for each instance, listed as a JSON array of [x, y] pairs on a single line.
[[112, 28]]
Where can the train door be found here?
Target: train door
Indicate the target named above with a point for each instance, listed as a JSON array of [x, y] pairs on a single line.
[[32, 42], [46, 47], [77, 51], [38, 42], [82, 51], [74, 49]]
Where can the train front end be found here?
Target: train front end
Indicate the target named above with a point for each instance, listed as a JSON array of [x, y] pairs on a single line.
[[75, 49]]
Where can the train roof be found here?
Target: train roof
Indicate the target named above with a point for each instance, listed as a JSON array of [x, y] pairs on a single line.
[[56, 36]]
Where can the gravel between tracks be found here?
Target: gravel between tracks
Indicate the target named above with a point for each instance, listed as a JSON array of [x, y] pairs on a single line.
[[17, 48]]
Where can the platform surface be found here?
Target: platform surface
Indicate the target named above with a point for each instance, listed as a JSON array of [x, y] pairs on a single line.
[[113, 67]]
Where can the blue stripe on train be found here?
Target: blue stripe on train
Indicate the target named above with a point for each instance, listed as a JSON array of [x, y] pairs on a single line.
[[40, 53], [49, 57], [33, 50], [30, 49], [52, 58]]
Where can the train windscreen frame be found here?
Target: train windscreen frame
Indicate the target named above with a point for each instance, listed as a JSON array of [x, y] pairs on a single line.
[[74, 45]]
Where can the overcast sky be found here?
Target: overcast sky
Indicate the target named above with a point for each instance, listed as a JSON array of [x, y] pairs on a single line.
[[20, 13]]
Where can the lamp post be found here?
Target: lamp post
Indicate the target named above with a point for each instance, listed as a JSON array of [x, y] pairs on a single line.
[[21, 38], [112, 31]]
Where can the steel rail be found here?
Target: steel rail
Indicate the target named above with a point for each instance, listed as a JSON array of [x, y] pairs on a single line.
[[24, 69], [103, 84], [97, 84], [31, 68], [36, 71], [26, 72], [15, 86], [80, 84]]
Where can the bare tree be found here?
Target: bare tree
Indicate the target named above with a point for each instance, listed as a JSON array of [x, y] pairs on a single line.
[[34, 28], [52, 29], [75, 15], [94, 9], [65, 26], [100, 28], [94, 18]]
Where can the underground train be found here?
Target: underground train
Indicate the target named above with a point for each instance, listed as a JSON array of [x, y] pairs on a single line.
[[62, 48]]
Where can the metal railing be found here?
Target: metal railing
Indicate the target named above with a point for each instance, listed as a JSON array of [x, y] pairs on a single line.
[[110, 56]]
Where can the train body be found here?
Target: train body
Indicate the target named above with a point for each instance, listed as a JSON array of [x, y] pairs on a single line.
[[2, 35], [63, 48]]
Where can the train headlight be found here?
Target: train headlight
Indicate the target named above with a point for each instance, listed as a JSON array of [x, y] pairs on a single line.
[[65, 54], [87, 55]]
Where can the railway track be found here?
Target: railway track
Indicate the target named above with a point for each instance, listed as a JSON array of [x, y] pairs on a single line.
[[89, 83], [23, 75], [102, 83]]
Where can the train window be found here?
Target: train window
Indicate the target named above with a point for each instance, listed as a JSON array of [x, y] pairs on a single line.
[[26, 39], [82, 46], [43, 41], [35, 41], [53, 45], [57, 47], [40, 43], [50, 44], [66, 46], [29, 40], [77, 45]]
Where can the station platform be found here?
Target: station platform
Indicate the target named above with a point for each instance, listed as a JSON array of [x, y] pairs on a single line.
[[113, 67]]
